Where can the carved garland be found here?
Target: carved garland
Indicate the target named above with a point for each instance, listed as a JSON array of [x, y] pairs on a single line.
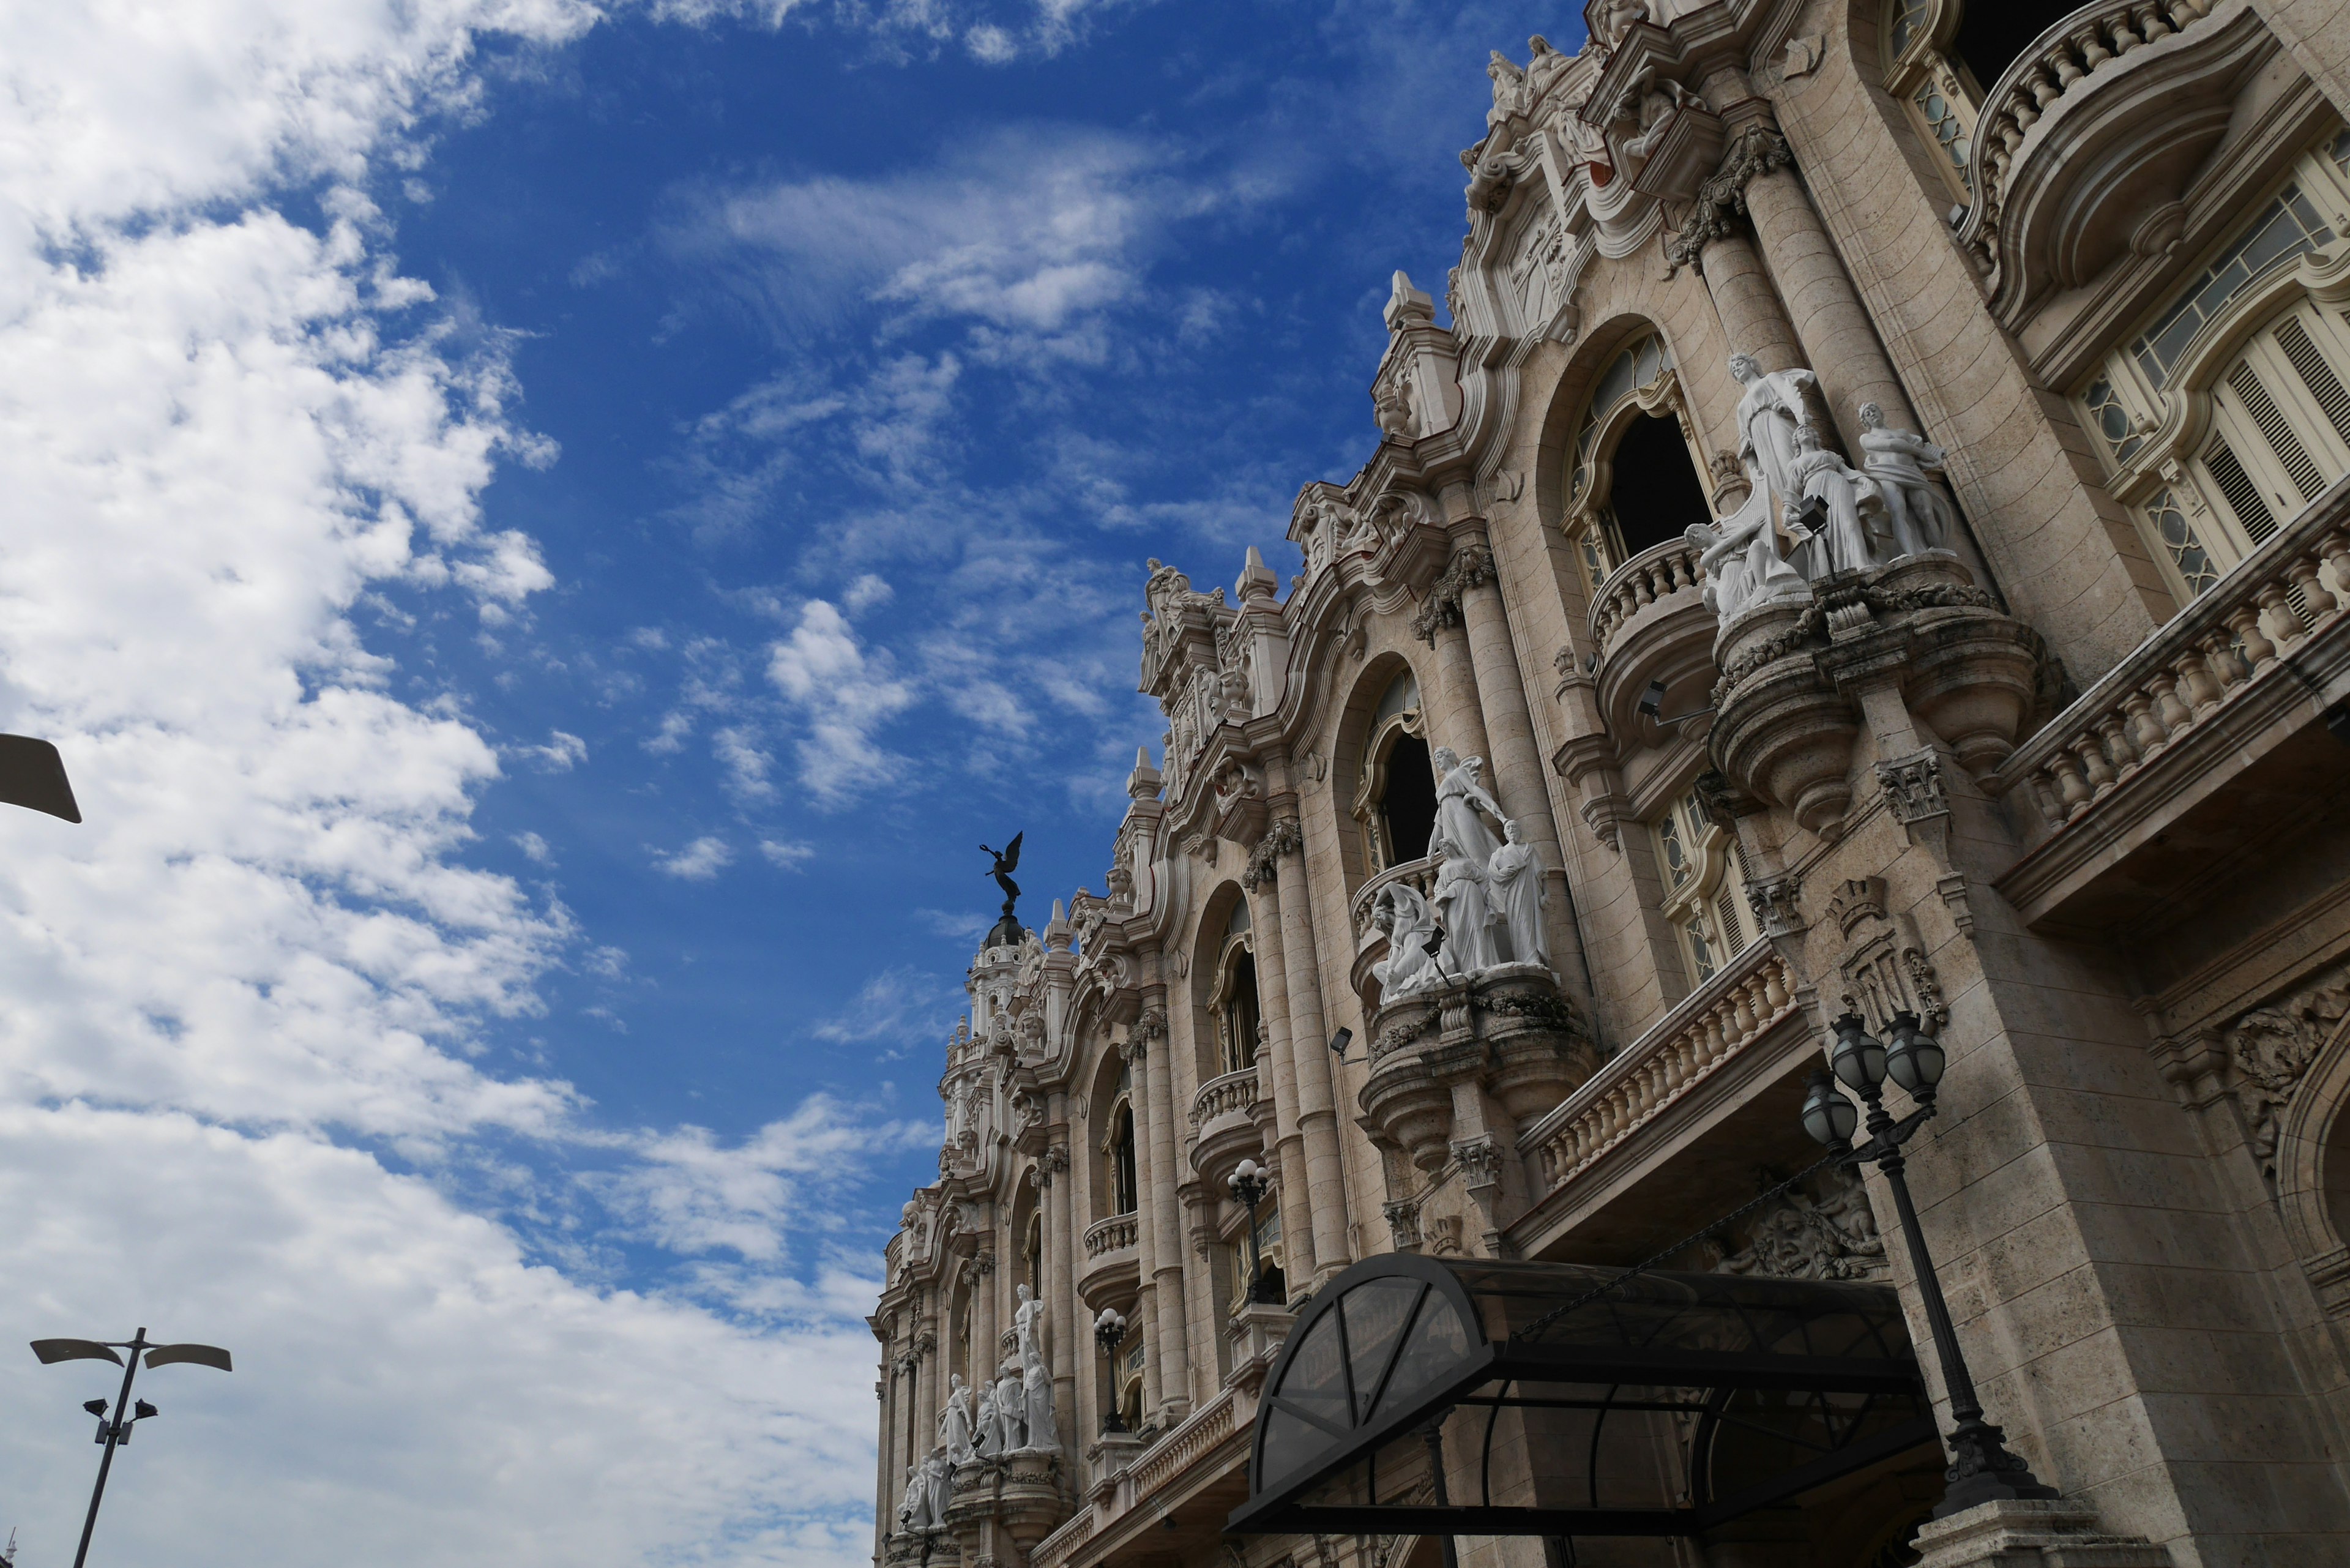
[[1284, 837]]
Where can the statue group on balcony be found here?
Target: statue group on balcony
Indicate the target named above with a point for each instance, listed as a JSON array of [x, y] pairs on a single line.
[[1014, 1414], [1829, 516], [1485, 907]]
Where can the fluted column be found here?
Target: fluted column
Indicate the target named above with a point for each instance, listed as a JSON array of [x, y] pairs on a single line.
[[1171, 1354], [1317, 1114], [1274, 1060], [1839, 341]]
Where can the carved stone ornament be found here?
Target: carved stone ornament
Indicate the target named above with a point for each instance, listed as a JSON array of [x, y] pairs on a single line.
[[2272, 1047], [1479, 1160], [1721, 198], [1284, 837], [1051, 1163], [1883, 966], [1403, 1222], [1775, 901], [1799, 1238], [1913, 787], [1442, 608]]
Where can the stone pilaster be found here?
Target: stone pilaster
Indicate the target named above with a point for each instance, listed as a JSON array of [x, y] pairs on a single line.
[[1065, 1250], [1317, 1111], [1277, 1062], [1163, 1253]]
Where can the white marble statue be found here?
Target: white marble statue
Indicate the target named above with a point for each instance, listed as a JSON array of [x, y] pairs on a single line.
[[1738, 556], [1036, 1381], [1011, 1409], [1773, 407], [1514, 886], [1906, 467], [1403, 915], [1852, 535], [1545, 68], [1027, 1324], [1460, 792], [914, 1508], [986, 1445], [937, 1486], [1510, 95], [1460, 904], [1616, 18], [954, 1422]]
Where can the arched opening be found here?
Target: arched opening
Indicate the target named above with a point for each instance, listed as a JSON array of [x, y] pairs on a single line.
[[1031, 1251], [1396, 801], [1632, 484], [1654, 493], [1234, 1004]]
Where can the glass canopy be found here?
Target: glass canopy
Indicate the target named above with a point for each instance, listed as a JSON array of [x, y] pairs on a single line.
[[1461, 1396]]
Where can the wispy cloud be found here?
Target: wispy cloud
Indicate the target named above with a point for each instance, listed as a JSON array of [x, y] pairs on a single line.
[[896, 1004], [843, 695], [698, 861]]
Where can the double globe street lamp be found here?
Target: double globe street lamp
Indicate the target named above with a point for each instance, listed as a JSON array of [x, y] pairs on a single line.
[[1981, 1468], [1249, 1182]]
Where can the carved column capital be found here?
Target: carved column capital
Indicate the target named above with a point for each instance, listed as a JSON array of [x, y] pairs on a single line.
[[1721, 201], [1284, 837], [1471, 565]]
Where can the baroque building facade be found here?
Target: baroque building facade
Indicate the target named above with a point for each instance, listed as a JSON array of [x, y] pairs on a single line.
[[1873, 538]]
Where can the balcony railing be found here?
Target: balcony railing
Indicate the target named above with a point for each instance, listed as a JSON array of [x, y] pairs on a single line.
[[2189, 675], [1714, 1024], [1133, 1489], [1223, 1096], [1114, 1234], [1656, 573]]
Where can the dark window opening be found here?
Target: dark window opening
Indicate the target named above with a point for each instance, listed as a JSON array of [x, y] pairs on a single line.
[[1407, 799], [1123, 1195], [1241, 1016], [1991, 36], [1653, 489]]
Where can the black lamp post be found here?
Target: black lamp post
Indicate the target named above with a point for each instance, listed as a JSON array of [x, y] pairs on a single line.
[[1109, 1332], [1981, 1468], [1250, 1184], [116, 1432]]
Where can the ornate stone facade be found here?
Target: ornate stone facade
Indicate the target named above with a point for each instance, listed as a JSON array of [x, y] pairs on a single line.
[[1496, 886]]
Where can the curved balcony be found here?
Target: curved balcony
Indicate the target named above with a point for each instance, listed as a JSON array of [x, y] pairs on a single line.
[[1223, 1125], [2086, 142], [1649, 622], [1371, 942], [1113, 1260]]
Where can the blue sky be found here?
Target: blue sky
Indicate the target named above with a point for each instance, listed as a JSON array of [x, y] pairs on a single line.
[[548, 535]]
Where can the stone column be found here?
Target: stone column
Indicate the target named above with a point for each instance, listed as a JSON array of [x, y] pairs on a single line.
[[1164, 1258], [890, 1469], [1064, 1252], [1517, 776], [1830, 322], [929, 1378], [1753, 320], [1274, 1062], [1317, 1112], [1148, 1032], [985, 1315]]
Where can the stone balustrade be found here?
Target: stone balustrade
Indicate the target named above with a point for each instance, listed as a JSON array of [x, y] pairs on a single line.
[[1654, 575], [1232, 1091], [2072, 51], [1130, 1491], [1115, 1235], [2190, 671], [1420, 874], [1722, 1017]]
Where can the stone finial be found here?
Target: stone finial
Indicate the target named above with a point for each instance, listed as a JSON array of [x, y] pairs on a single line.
[[1407, 305], [1144, 782], [1257, 579], [1056, 929]]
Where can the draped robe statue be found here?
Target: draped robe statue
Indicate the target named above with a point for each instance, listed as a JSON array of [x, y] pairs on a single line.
[[1036, 1378], [1514, 886], [1403, 914], [954, 1422], [914, 1507], [1853, 535], [1011, 1409], [990, 1427], [1460, 792], [1468, 919], [1772, 409], [1904, 466], [938, 1479]]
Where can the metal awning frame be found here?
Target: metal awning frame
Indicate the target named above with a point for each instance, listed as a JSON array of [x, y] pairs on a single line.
[[1614, 1367]]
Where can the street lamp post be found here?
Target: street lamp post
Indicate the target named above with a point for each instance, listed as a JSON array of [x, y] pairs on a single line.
[[1109, 1331], [116, 1432], [1981, 1468], [1250, 1184]]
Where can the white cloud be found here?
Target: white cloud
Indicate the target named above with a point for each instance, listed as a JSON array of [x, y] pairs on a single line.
[[898, 1003], [562, 753], [698, 861], [844, 694], [536, 847], [869, 590], [745, 762], [786, 854]]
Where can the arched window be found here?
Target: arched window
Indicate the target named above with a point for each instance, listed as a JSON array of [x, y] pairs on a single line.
[[1128, 1373], [1239, 1023], [2228, 411], [1633, 484], [1705, 886], [1932, 55], [1396, 801], [1033, 1254], [1117, 1152]]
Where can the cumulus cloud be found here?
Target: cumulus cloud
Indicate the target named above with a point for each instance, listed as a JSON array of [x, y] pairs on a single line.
[[786, 854], [843, 694], [562, 753], [698, 861]]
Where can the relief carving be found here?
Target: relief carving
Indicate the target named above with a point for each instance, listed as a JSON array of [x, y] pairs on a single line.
[[2272, 1048], [1883, 966]]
